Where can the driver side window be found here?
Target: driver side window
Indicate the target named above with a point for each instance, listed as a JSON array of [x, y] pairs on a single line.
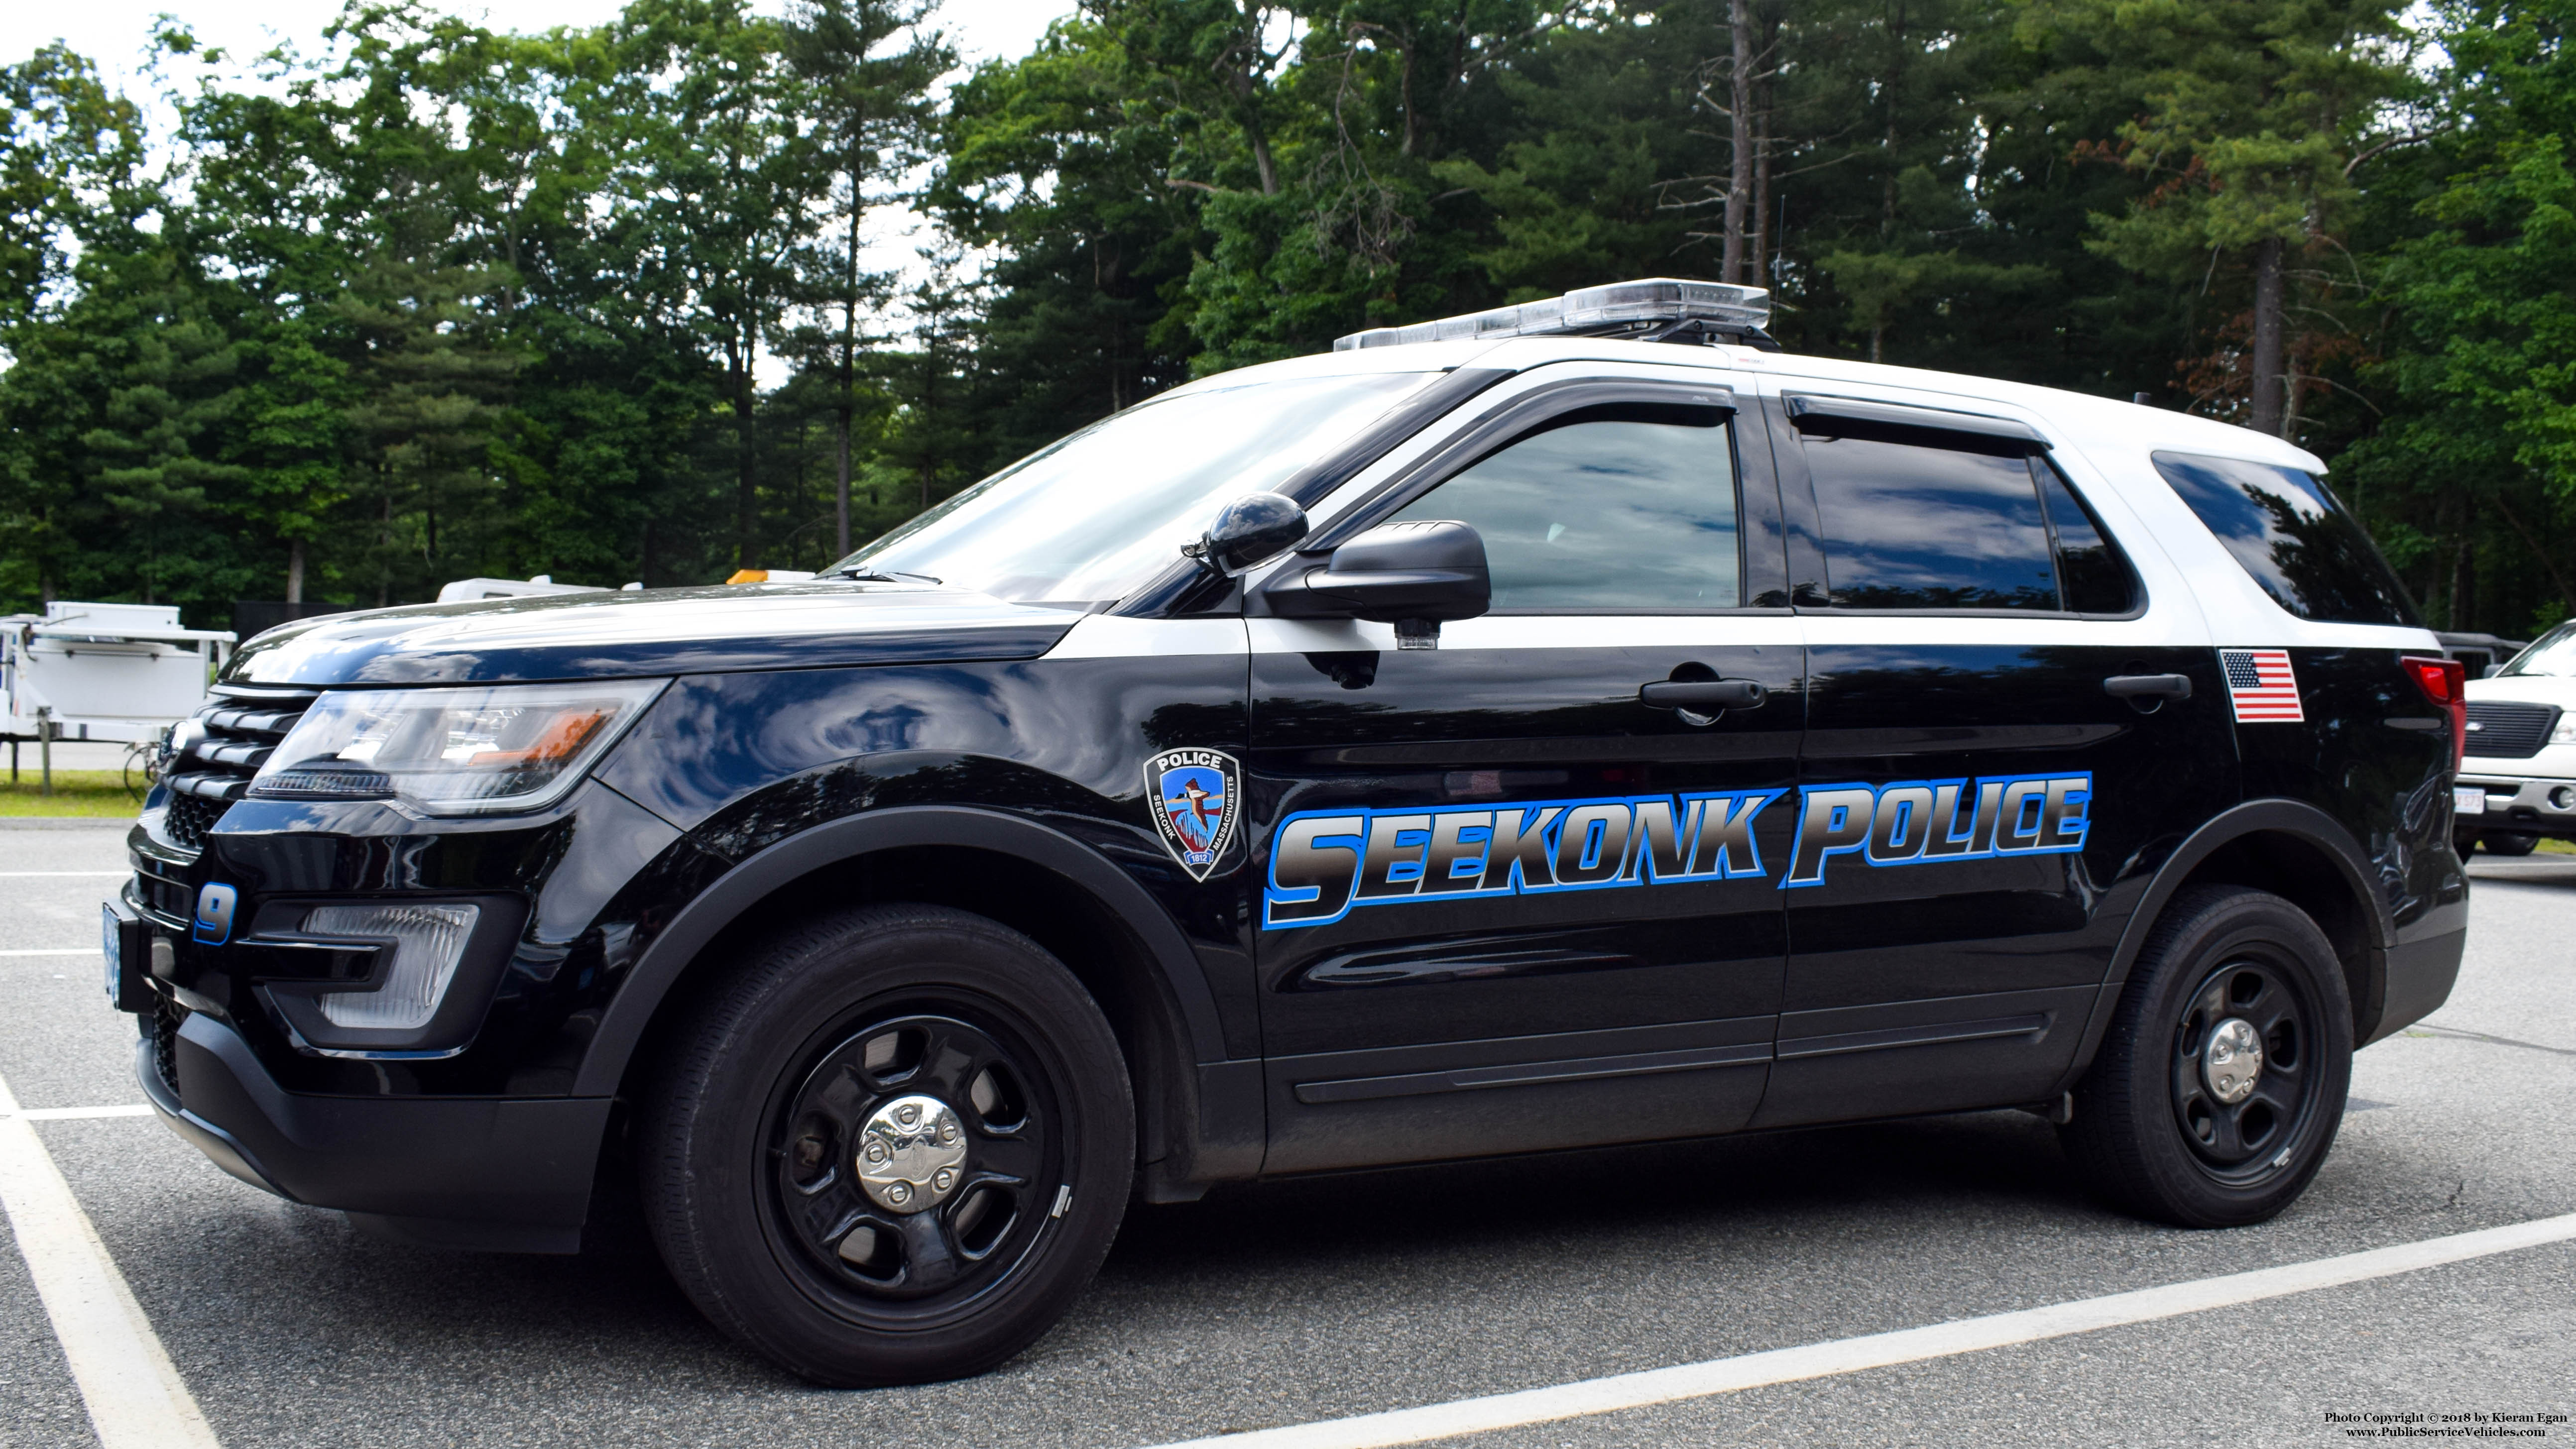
[[1629, 508]]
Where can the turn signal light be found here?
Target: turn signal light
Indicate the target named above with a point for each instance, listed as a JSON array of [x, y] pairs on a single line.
[[2446, 683]]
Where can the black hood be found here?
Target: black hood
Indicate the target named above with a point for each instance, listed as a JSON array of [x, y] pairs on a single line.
[[666, 631]]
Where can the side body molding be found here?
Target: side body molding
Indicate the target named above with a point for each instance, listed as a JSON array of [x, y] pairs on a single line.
[[2286, 817], [698, 923]]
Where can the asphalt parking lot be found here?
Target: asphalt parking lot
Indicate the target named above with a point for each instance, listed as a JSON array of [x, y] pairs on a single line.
[[1299, 1302]]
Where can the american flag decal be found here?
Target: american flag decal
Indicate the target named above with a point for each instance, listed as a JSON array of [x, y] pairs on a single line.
[[2260, 684]]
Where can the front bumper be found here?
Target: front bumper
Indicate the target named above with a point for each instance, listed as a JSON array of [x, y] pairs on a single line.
[[509, 1174], [2539, 804]]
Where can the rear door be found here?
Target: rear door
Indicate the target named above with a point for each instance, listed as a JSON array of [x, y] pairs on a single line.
[[1997, 740], [1508, 905]]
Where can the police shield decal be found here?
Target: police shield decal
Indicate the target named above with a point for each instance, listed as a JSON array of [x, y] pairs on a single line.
[[1196, 801]]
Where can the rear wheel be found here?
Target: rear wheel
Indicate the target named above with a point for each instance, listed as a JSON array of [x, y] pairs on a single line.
[[2221, 1083], [893, 1146]]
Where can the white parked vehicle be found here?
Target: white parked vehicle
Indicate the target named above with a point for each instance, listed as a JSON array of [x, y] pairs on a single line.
[[2522, 749]]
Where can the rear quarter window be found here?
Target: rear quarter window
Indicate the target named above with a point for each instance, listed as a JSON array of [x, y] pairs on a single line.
[[2293, 537]]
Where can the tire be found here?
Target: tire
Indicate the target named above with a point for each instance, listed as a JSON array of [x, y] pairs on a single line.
[[755, 1137], [2151, 1129], [2508, 842], [2464, 842]]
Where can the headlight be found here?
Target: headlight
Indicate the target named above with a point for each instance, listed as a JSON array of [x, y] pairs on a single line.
[[2564, 732], [452, 751]]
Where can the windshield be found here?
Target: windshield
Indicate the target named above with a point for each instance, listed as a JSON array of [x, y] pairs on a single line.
[[1097, 514], [2553, 655]]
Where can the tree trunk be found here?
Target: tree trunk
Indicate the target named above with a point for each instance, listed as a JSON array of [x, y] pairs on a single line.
[[746, 477], [1404, 92], [929, 408], [2270, 320], [1763, 239], [841, 483], [1261, 157], [295, 571], [1739, 171], [849, 348]]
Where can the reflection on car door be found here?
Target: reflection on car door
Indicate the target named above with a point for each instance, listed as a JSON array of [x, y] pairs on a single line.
[[1507, 905], [1971, 786]]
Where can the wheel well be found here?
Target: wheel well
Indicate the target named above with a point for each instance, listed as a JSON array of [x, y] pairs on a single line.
[[2302, 873], [1088, 937]]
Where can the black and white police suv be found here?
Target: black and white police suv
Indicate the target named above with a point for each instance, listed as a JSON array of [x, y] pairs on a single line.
[[1574, 724]]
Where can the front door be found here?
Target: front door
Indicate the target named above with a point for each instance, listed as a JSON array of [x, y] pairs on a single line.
[[1507, 904], [1996, 738]]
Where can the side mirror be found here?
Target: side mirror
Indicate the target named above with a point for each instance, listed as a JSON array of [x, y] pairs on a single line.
[[1412, 575], [1251, 531]]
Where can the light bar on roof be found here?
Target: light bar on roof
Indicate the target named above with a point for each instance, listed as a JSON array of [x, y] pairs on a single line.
[[1619, 307]]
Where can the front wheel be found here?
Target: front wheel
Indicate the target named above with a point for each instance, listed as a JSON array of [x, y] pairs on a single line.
[[2221, 1082], [892, 1146], [2508, 842]]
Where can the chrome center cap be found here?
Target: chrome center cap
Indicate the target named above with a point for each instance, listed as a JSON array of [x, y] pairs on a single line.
[[912, 1152], [2233, 1060]]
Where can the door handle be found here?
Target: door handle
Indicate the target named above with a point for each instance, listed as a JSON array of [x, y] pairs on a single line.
[[2138, 687], [1703, 694]]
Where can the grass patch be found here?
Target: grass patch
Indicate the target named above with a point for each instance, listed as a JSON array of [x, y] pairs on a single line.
[[98, 794], [2558, 847]]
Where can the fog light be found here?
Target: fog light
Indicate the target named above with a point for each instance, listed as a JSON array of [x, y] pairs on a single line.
[[2563, 798], [427, 942]]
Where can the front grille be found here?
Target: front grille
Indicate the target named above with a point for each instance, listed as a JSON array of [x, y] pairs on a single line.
[[189, 820], [236, 734], [2503, 731], [166, 900]]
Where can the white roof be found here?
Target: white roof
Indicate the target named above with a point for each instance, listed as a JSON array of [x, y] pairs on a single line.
[[2094, 421]]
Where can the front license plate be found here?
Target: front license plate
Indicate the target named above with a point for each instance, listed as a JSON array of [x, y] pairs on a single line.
[[110, 943], [2468, 800], [126, 941]]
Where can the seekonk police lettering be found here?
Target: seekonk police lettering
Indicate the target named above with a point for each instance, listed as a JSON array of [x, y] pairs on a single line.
[[1324, 863]]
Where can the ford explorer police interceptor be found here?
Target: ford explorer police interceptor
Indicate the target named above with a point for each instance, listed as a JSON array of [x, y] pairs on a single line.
[[1574, 724]]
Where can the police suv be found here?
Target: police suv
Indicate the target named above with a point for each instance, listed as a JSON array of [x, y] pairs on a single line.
[[1574, 724]]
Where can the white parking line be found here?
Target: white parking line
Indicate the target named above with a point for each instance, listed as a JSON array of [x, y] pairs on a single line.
[[1882, 1350], [56, 951], [77, 1114], [135, 1397], [64, 874]]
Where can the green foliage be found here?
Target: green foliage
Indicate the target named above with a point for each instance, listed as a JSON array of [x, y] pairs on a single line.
[[2473, 476], [598, 303]]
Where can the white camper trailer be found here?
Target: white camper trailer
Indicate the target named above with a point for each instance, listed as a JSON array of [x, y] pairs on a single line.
[[119, 673]]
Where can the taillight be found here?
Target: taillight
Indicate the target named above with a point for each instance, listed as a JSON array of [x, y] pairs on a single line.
[[2445, 682]]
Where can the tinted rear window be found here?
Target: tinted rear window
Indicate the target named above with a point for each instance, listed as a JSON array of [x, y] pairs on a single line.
[[1911, 527], [2293, 537]]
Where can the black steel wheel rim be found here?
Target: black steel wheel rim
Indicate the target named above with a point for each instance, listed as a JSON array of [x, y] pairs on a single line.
[[898, 1270], [2247, 1141]]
